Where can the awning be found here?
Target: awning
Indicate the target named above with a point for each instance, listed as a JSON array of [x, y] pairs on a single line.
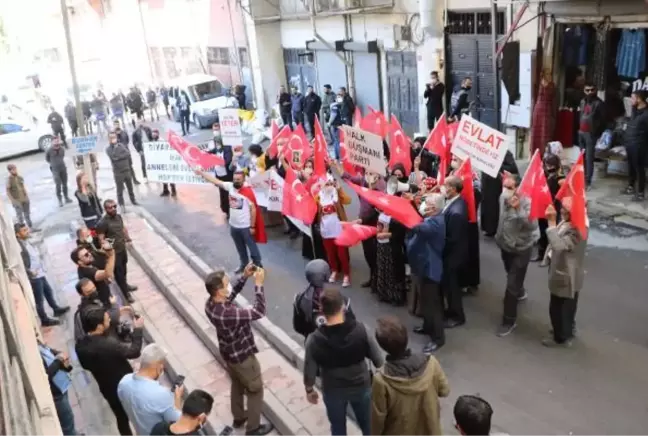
[[594, 8]]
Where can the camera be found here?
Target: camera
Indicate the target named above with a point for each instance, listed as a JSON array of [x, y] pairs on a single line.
[[124, 330]]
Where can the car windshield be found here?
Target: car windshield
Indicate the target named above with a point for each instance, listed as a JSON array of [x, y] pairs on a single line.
[[206, 91]]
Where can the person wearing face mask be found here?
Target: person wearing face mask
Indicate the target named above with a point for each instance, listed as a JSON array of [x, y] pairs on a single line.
[[455, 252], [491, 190], [312, 246], [312, 106], [120, 158], [240, 160], [592, 125], [555, 177], [87, 268], [425, 245], [566, 273], [144, 399], [89, 241], [389, 282], [434, 95], [368, 215], [516, 235], [459, 102], [257, 160], [334, 123], [90, 297], [236, 343], [195, 409], [106, 357], [331, 200]]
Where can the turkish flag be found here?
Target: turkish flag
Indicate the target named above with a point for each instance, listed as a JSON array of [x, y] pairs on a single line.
[[465, 172], [573, 188], [354, 233], [357, 118], [279, 138], [439, 143], [399, 146], [297, 202], [534, 186], [320, 154], [376, 123], [191, 154], [450, 133], [351, 169], [398, 208], [298, 149], [274, 129]]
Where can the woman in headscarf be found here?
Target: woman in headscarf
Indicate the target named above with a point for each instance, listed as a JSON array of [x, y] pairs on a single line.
[[389, 282], [469, 277], [554, 175], [331, 200], [312, 248]]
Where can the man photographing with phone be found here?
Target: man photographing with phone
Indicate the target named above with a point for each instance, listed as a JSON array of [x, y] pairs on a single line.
[[236, 342], [144, 399]]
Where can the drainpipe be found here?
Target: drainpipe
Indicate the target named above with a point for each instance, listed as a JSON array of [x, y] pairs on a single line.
[[348, 29], [322, 40]]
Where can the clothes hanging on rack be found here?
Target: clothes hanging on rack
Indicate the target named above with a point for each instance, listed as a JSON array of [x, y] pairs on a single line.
[[631, 53], [543, 118], [564, 131], [575, 40], [596, 67]]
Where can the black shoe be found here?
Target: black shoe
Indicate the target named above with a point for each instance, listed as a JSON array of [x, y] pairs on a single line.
[[452, 323], [431, 347], [132, 288], [238, 423], [174, 193], [137, 182], [61, 310], [164, 194], [505, 329], [419, 331], [61, 203], [50, 322], [130, 299], [366, 284], [68, 201], [134, 203], [261, 430]]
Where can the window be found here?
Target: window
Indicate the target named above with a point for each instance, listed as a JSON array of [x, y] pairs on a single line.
[[243, 57], [206, 91], [218, 55]]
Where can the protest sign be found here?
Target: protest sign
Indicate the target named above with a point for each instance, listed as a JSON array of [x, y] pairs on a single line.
[[230, 126], [364, 149], [165, 165], [85, 144], [485, 146]]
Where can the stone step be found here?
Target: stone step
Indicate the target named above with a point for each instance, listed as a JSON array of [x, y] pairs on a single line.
[[285, 404]]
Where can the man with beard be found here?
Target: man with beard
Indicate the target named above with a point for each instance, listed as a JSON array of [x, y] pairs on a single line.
[[90, 242], [455, 252], [491, 190], [89, 268], [111, 226], [90, 297], [592, 124], [222, 172], [106, 357]]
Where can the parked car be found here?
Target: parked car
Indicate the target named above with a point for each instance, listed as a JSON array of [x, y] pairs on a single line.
[[206, 94], [17, 138]]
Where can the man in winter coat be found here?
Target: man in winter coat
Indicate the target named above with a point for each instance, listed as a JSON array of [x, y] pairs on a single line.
[[55, 120], [121, 161], [592, 125], [70, 115], [459, 101], [312, 106], [55, 157], [117, 108], [405, 392], [151, 100], [347, 107], [297, 106], [636, 144], [327, 100], [284, 102]]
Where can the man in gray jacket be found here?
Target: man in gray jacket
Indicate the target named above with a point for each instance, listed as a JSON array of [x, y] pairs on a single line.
[[120, 158], [55, 157], [516, 235]]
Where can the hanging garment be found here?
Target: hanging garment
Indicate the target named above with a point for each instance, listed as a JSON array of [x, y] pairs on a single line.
[[565, 127], [631, 53], [543, 118], [575, 40], [596, 67], [511, 70]]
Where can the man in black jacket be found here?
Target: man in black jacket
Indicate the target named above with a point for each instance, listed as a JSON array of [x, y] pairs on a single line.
[[339, 349], [107, 358], [140, 135], [70, 114], [312, 106], [434, 94], [284, 102], [56, 121], [592, 124], [58, 368], [636, 143], [347, 107]]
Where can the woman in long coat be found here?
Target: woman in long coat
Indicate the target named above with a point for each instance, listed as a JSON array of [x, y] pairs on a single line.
[[566, 274], [491, 188]]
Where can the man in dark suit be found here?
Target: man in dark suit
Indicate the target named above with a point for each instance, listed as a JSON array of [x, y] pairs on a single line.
[[455, 251]]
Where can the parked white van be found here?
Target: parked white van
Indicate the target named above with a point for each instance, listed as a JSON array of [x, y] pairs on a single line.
[[206, 94]]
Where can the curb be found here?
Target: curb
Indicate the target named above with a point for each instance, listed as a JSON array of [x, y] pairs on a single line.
[[273, 409]]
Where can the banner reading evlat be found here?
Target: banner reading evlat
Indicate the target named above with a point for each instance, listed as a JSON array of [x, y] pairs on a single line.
[[485, 146]]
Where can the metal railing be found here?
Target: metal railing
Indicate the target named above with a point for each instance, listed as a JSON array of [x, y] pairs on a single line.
[[26, 403]]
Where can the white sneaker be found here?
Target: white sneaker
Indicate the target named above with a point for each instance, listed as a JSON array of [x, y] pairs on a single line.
[[333, 278], [346, 282]]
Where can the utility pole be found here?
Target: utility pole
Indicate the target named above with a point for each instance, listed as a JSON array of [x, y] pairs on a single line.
[[495, 65], [87, 165]]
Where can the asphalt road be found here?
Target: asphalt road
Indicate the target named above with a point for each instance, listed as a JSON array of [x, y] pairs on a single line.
[[599, 386]]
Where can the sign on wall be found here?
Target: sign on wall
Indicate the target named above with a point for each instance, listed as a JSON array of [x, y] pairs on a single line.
[[364, 149], [230, 126], [485, 146]]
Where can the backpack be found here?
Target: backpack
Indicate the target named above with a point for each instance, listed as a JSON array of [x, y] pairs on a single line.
[[305, 318]]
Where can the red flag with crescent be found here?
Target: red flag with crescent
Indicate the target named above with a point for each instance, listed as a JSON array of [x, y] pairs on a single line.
[[572, 192], [376, 123], [298, 203], [354, 233], [399, 146], [191, 154], [298, 149]]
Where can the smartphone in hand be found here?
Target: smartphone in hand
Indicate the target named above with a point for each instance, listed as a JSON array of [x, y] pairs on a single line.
[[178, 382]]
